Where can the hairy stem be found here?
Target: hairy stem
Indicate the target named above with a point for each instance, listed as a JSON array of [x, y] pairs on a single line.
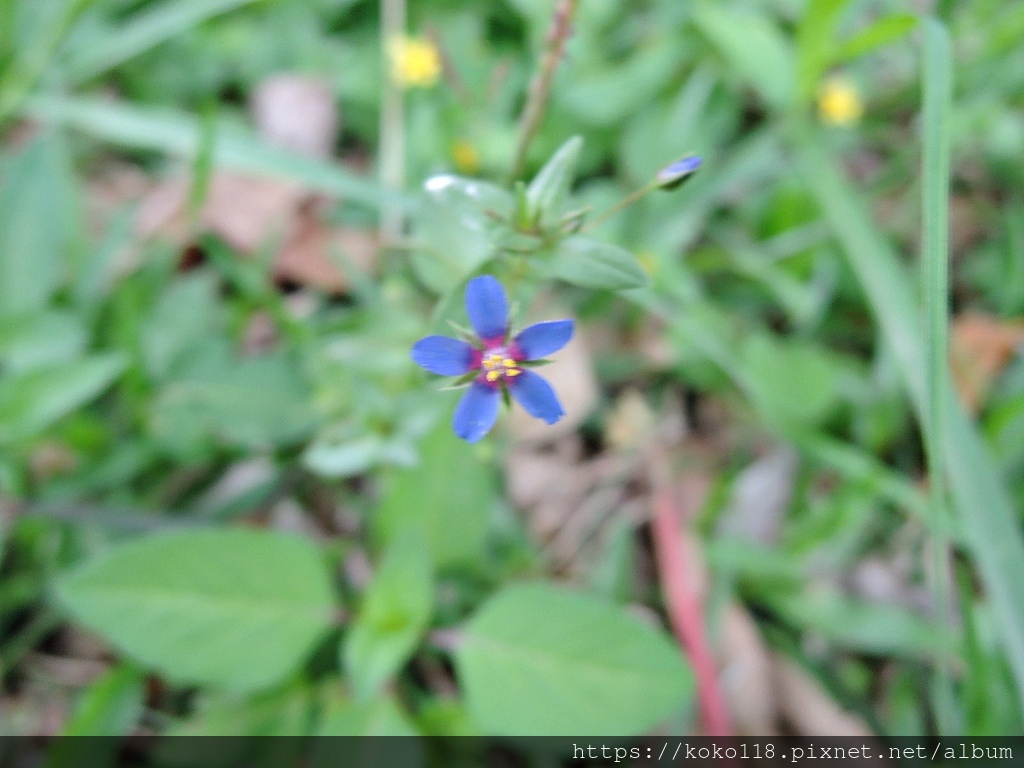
[[540, 86]]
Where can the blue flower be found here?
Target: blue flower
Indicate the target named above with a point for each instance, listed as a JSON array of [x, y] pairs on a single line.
[[671, 176], [494, 362]]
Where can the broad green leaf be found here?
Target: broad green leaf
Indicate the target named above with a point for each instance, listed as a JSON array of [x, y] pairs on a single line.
[[887, 29], [36, 220], [41, 339], [141, 32], [546, 194], [597, 264], [183, 316], [794, 381], [447, 497], [395, 613], [456, 227], [540, 660], [235, 608], [178, 134], [383, 716], [257, 401], [754, 46], [30, 402], [343, 459]]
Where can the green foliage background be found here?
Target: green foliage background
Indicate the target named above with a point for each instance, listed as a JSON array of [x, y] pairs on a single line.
[[778, 283]]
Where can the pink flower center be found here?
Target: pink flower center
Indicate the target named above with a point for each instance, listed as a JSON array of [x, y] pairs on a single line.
[[499, 363]]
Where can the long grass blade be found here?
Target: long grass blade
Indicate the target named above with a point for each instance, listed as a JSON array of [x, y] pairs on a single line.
[[989, 521], [937, 85], [142, 32], [178, 134]]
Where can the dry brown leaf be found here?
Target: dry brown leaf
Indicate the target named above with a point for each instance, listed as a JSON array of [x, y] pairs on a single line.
[[245, 211], [807, 707], [760, 497], [311, 256], [747, 674], [297, 113], [980, 347]]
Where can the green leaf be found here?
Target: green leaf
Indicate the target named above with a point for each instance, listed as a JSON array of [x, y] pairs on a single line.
[[35, 341], [456, 226], [882, 630], [32, 401], [447, 497], [547, 192], [182, 319], [382, 716], [938, 95], [597, 264], [256, 402], [816, 43], [795, 382], [36, 224], [540, 660], [981, 497], [395, 613], [346, 458], [887, 29], [111, 705], [754, 46], [179, 134], [235, 608], [140, 33]]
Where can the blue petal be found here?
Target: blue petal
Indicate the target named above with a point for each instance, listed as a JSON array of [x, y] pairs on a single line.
[[487, 307], [535, 395], [542, 339], [476, 412], [443, 355]]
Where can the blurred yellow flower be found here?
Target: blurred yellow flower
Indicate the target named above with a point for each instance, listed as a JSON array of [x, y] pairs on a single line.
[[648, 261], [415, 61], [839, 102], [466, 157]]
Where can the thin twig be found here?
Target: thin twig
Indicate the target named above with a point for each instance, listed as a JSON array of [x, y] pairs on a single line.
[[685, 611], [540, 86]]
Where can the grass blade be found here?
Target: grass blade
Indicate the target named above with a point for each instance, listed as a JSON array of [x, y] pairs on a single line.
[[937, 86], [990, 522], [178, 133], [144, 31]]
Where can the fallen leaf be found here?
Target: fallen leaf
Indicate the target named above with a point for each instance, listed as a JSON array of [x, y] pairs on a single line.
[[243, 210], [807, 707], [980, 347], [746, 676], [760, 497], [314, 253]]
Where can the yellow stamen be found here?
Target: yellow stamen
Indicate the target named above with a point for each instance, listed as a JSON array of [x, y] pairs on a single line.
[[508, 362], [493, 375], [513, 372]]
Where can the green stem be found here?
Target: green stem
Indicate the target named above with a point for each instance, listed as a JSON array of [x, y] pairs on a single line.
[[625, 202]]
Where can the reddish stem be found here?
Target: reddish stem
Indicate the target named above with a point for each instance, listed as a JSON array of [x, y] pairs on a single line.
[[686, 613]]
